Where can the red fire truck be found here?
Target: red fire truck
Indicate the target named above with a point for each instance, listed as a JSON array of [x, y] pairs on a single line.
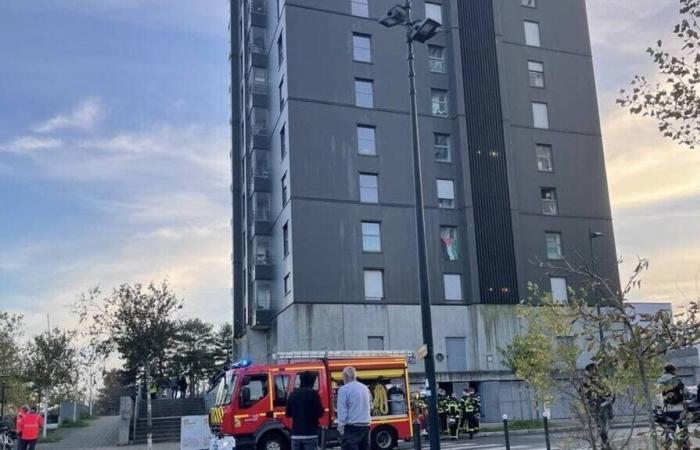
[[250, 400]]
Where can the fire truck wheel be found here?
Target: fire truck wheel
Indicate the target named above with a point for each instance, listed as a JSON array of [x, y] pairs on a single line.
[[383, 438], [273, 441]]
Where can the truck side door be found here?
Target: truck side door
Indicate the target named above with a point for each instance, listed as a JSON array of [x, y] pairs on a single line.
[[281, 385], [254, 402]]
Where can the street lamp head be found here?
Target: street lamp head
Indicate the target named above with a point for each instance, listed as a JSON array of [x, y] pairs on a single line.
[[396, 16], [424, 30], [595, 234]]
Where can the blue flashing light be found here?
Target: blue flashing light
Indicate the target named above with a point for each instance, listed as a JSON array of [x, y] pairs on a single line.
[[242, 364]]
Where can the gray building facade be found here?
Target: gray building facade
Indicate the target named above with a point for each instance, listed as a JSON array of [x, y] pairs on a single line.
[[325, 253]]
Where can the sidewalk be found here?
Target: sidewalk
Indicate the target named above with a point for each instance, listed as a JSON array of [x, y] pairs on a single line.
[[102, 432]]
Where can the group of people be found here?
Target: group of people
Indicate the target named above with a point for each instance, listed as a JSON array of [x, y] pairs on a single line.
[[175, 387], [354, 403], [28, 425], [455, 415]]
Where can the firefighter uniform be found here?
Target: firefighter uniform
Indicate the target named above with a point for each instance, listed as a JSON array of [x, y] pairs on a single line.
[[454, 417], [471, 407], [442, 412]]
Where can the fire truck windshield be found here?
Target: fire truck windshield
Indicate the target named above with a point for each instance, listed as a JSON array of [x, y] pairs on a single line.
[[224, 388]]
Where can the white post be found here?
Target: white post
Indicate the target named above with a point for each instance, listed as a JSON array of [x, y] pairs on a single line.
[[149, 420], [46, 413]]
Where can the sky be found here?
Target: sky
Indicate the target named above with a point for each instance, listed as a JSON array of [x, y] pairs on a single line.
[[114, 142]]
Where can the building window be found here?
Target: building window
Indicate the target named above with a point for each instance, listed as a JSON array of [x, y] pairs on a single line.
[[529, 3], [364, 93], [283, 141], [436, 59], [359, 8], [375, 342], [285, 190], [262, 295], [287, 284], [368, 188], [446, 193], [549, 201], [433, 11], [441, 144], [453, 287], [560, 292], [535, 71], [545, 162], [280, 50], [361, 47], [450, 244], [371, 237], [366, 140], [281, 93], [532, 33], [553, 241], [285, 239], [374, 284], [540, 115], [439, 100]]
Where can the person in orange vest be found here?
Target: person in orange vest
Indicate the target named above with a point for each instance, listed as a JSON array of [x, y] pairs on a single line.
[[19, 424], [31, 426]]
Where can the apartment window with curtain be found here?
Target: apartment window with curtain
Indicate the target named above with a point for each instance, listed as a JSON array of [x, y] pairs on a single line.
[[540, 115], [545, 161], [359, 8], [374, 284], [452, 283], [366, 140], [280, 50], [436, 59], [371, 237], [433, 11], [285, 190], [449, 243], [446, 194], [560, 291], [364, 93], [535, 72], [283, 141], [553, 243], [369, 192], [439, 102], [442, 147], [532, 33], [549, 201], [361, 47]]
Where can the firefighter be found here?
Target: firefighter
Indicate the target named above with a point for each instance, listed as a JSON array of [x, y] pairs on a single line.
[[442, 410], [471, 404], [674, 395], [454, 416], [31, 427]]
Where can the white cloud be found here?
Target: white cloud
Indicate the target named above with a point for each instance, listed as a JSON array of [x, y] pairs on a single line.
[[25, 144], [83, 117]]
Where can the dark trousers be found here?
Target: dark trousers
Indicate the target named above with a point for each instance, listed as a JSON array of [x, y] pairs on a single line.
[[304, 444], [26, 445], [355, 438]]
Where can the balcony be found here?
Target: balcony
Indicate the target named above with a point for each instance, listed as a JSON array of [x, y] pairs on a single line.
[[262, 313], [262, 264], [256, 13], [258, 94], [257, 47], [259, 171], [260, 217], [257, 131]]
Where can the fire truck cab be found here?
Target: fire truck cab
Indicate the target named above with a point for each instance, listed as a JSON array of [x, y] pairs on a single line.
[[250, 400]]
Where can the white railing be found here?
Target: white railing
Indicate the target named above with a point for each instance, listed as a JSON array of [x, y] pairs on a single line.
[[341, 354]]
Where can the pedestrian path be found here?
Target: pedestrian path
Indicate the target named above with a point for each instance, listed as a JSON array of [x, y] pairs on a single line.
[[102, 432]]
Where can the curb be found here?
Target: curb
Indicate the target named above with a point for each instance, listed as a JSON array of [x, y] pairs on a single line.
[[552, 430]]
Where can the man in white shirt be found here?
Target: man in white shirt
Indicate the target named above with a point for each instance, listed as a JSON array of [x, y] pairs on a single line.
[[353, 412]]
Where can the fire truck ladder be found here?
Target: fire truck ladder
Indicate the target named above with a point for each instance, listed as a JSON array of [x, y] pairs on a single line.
[[342, 354]]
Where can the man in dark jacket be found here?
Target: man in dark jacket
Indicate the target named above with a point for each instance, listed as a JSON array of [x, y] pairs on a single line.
[[304, 407]]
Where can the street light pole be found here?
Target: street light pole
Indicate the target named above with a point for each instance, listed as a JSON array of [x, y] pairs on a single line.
[[593, 235], [420, 31]]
